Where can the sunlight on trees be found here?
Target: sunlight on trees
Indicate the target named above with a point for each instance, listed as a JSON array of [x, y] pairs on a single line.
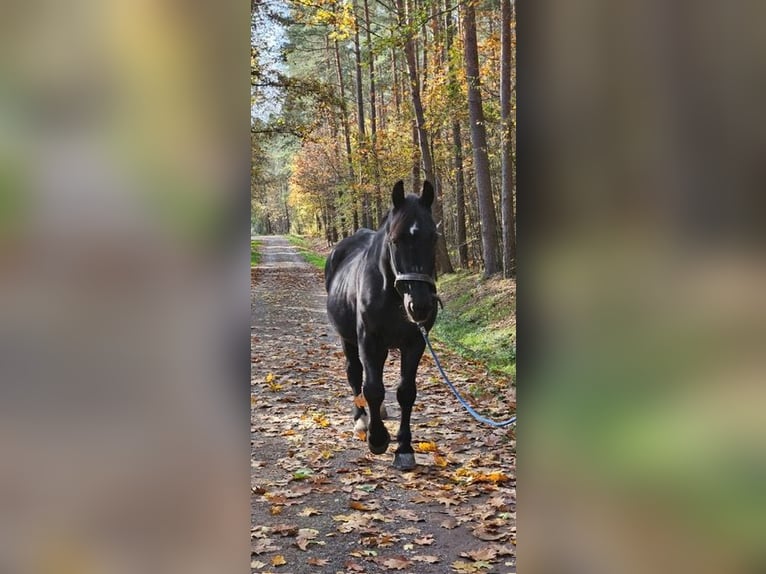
[[351, 95]]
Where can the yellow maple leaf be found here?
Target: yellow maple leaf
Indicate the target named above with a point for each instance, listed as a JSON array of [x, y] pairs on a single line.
[[426, 447], [278, 560], [275, 510], [321, 420], [269, 378]]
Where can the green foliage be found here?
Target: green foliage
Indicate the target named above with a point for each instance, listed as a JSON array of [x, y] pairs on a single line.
[[255, 253], [477, 320], [304, 248]]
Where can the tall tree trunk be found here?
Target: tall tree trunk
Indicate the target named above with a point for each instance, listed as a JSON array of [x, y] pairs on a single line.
[[347, 137], [365, 200], [506, 190], [457, 145], [443, 263], [479, 143], [416, 159], [457, 139], [373, 117], [395, 83]]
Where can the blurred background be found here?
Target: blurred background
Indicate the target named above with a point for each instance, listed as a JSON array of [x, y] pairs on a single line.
[[124, 340], [642, 316]]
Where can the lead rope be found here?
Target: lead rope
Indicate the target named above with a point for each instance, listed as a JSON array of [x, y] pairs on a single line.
[[469, 408]]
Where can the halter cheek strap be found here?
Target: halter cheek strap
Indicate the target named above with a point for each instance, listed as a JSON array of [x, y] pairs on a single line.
[[422, 277]]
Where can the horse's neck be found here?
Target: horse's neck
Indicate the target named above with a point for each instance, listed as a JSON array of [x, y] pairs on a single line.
[[379, 258]]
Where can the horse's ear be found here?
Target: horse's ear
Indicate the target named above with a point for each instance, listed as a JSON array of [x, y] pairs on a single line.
[[427, 196], [397, 196]]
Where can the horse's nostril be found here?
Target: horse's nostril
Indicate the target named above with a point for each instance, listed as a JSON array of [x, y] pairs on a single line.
[[419, 310]]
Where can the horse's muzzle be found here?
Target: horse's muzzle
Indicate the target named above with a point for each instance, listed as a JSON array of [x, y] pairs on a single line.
[[420, 310]]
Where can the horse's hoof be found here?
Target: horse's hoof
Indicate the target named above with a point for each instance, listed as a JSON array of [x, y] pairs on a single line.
[[361, 424], [404, 461], [377, 449], [383, 411]]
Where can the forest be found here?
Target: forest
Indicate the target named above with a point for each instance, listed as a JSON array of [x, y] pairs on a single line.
[[350, 96]]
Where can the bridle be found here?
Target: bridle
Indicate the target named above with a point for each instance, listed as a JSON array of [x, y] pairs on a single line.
[[398, 277]]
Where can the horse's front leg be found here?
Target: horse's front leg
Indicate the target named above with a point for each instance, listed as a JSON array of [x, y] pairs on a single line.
[[404, 458], [373, 357]]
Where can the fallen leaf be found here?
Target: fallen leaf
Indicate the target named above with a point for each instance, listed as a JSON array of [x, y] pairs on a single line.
[[321, 420], [439, 460], [257, 564], [366, 507], [482, 554], [395, 563], [285, 529], [278, 560], [463, 566], [426, 447], [309, 511], [305, 537], [426, 540], [276, 510], [317, 561], [263, 545], [482, 533], [449, 523], [303, 473]]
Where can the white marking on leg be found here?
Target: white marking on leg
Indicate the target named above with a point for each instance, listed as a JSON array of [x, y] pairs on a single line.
[[414, 228], [361, 424]]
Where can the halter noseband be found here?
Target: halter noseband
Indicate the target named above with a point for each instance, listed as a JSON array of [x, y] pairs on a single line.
[[422, 277]]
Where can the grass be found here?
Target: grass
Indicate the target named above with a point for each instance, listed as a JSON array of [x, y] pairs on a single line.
[[307, 252], [478, 320], [255, 253]]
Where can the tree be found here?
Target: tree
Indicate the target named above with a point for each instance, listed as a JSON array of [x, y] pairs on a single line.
[[453, 90], [443, 263], [506, 193], [479, 144]]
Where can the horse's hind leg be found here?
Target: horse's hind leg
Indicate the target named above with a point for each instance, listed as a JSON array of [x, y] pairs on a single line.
[[404, 456], [354, 373]]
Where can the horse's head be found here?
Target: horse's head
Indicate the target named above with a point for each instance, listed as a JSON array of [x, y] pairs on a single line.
[[412, 251]]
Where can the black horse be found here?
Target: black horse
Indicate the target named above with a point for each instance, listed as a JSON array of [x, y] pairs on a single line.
[[380, 287]]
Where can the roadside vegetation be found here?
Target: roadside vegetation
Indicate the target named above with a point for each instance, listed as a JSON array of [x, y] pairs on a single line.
[[308, 250], [255, 253], [478, 321]]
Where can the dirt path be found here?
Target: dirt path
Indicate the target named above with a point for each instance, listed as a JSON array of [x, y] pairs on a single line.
[[320, 502]]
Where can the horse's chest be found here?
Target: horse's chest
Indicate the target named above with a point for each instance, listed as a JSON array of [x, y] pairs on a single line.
[[389, 324]]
